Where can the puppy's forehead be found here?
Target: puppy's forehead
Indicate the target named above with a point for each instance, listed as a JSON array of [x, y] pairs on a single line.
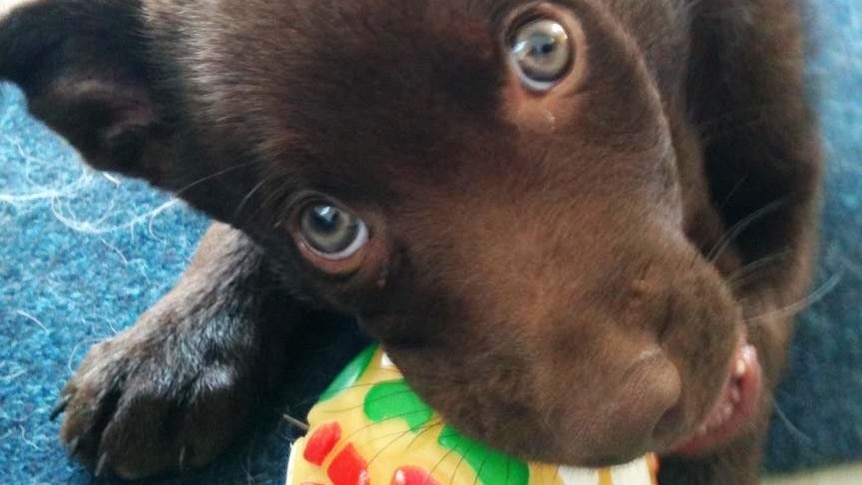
[[336, 80]]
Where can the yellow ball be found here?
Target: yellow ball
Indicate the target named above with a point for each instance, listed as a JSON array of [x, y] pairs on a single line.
[[370, 428]]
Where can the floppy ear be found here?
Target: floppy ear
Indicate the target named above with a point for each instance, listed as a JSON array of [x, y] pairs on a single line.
[[82, 65]]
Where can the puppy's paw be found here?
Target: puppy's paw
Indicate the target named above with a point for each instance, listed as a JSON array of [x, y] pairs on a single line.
[[157, 398]]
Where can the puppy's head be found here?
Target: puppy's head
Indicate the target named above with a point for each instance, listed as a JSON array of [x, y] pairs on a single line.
[[494, 188]]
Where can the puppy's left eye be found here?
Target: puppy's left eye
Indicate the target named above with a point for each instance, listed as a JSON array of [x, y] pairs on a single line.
[[542, 53], [330, 232]]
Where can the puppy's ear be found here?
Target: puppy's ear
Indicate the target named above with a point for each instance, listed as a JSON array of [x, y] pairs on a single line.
[[82, 65]]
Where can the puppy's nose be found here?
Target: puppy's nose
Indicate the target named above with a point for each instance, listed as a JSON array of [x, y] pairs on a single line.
[[650, 390]]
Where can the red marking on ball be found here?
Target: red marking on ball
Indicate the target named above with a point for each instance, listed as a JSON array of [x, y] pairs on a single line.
[[411, 475], [321, 443], [348, 468]]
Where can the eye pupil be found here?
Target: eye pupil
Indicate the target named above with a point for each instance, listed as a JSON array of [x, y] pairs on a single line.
[[325, 218], [542, 44]]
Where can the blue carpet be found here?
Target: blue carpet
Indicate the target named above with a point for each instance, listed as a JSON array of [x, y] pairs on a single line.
[[82, 254]]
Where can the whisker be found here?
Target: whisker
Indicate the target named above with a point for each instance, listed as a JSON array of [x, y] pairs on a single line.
[[400, 434], [463, 457], [440, 461], [807, 301], [247, 198], [425, 429], [364, 428], [275, 201], [792, 427], [214, 175], [479, 470], [742, 115], [741, 277], [710, 134], [725, 241], [732, 193]]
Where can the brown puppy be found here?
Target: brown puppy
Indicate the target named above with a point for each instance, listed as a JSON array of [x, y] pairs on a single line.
[[568, 221]]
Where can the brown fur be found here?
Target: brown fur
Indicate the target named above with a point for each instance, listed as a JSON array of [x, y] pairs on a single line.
[[549, 271]]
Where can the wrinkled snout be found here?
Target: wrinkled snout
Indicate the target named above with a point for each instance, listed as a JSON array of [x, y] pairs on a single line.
[[630, 418], [603, 346]]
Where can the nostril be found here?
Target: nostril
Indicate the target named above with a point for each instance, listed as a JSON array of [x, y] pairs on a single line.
[[669, 424], [651, 392]]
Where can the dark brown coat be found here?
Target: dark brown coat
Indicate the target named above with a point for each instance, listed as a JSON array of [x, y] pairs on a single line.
[[566, 275]]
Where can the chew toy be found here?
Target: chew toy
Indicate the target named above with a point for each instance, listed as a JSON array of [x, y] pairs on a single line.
[[370, 428]]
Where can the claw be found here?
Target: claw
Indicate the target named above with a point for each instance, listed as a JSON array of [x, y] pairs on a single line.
[[61, 405], [182, 460], [101, 466], [74, 446]]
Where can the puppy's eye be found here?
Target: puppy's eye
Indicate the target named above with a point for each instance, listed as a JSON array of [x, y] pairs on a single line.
[[330, 232], [541, 52]]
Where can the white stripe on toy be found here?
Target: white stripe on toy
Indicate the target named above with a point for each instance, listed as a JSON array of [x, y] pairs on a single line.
[[578, 476], [635, 473]]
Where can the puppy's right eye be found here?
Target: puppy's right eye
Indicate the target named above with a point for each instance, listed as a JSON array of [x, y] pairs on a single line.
[[331, 232], [330, 237]]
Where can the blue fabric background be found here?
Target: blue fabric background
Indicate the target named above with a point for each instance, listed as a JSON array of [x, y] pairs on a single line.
[[83, 253]]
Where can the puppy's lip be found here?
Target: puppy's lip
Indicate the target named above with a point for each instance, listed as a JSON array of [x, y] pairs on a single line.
[[731, 415]]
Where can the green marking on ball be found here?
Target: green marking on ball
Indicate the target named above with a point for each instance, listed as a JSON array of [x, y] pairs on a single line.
[[492, 467], [348, 377], [395, 400]]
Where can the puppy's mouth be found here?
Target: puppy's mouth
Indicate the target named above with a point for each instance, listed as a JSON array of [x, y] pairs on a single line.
[[731, 415]]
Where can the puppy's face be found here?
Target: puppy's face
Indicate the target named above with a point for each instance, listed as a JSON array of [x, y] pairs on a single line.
[[492, 189], [497, 190]]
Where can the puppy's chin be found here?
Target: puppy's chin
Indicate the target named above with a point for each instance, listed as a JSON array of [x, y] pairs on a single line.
[[701, 419], [534, 441], [732, 416]]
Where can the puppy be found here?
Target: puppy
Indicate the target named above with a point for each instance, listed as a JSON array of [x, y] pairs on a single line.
[[576, 225]]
